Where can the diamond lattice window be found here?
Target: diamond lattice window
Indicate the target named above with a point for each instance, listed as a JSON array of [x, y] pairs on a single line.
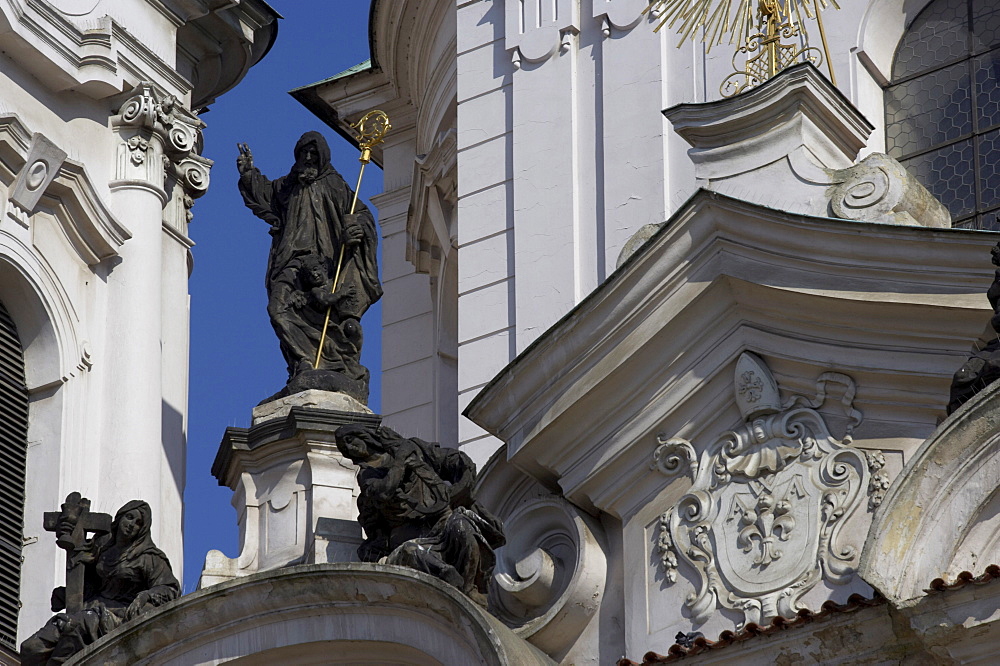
[[942, 109]]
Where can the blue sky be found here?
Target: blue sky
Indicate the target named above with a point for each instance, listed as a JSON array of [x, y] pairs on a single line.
[[235, 361]]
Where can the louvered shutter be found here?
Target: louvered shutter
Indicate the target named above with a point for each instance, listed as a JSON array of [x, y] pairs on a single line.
[[13, 448]]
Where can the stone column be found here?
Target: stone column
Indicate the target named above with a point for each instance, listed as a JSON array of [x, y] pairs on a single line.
[[153, 136]]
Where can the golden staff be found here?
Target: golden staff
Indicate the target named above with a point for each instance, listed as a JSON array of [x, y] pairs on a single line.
[[372, 129]]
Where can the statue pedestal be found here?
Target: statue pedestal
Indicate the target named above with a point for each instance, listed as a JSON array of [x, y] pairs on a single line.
[[294, 494]]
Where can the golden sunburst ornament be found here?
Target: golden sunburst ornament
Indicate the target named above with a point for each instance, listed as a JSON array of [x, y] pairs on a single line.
[[758, 26]]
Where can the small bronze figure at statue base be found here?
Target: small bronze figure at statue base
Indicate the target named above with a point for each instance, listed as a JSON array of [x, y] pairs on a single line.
[[983, 367], [418, 510], [116, 575]]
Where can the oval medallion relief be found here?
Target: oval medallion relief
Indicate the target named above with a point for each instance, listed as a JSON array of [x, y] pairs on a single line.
[[36, 175]]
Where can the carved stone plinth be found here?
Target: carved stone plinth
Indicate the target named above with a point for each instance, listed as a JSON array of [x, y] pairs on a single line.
[[800, 135], [294, 494]]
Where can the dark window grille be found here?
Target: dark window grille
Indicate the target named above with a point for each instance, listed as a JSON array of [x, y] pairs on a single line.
[[942, 109], [13, 450]]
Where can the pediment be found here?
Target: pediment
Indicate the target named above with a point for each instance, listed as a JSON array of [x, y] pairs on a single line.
[[654, 348], [69, 193]]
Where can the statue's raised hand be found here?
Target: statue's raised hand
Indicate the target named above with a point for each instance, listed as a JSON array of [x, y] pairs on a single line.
[[244, 161]]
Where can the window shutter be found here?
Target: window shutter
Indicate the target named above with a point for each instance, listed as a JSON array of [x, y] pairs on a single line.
[[13, 449]]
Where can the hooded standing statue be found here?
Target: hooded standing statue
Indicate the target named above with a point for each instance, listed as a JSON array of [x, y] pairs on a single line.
[[309, 214]]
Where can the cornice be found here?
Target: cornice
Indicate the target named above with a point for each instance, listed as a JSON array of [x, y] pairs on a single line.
[[95, 61], [720, 277], [399, 79], [88, 223], [256, 441], [104, 57]]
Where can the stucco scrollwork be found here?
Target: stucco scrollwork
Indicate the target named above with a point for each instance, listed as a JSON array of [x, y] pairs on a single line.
[[674, 454], [147, 113], [536, 29], [550, 576], [665, 546], [880, 189], [879, 484], [762, 522]]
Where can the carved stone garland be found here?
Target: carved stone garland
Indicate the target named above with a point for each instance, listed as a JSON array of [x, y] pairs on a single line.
[[762, 522]]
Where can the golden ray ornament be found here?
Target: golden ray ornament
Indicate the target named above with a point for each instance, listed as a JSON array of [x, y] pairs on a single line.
[[758, 26]]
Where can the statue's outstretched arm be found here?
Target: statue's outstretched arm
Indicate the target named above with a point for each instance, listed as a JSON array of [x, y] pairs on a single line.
[[256, 188]]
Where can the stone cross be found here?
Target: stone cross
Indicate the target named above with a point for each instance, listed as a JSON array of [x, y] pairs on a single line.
[[71, 526]]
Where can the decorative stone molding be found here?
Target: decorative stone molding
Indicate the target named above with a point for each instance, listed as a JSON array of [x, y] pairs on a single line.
[[550, 576], [430, 220], [151, 123], [879, 484], [65, 187], [42, 166], [536, 29], [941, 516], [672, 455], [295, 495], [880, 189], [762, 523], [89, 51], [620, 14], [798, 132], [365, 613]]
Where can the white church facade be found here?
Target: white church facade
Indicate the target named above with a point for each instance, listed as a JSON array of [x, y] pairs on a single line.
[[699, 337], [99, 167]]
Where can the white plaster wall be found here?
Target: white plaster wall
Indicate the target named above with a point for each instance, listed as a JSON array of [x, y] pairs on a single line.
[[555, 169], [407, 318], [105, 334], [563, 152]]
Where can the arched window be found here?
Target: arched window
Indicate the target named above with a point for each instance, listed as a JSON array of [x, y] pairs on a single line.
[[13, 449], [943, 107]]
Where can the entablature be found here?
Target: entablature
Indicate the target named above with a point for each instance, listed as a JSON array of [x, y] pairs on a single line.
[[654, 347], [106, 49]]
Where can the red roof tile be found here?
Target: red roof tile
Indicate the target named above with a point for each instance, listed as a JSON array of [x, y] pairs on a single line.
[[965, 578], [751, 630]]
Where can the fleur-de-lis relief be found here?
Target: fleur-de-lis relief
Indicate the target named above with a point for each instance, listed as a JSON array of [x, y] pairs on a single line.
[[778, 487], [751, 386], [763, 525]]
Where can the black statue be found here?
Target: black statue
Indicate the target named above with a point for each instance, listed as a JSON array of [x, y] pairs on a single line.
[[417, 508], [983, 367], [311, 224], [116, 575]]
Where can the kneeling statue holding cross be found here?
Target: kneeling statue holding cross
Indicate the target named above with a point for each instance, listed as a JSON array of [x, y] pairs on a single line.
[[111, 577]]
